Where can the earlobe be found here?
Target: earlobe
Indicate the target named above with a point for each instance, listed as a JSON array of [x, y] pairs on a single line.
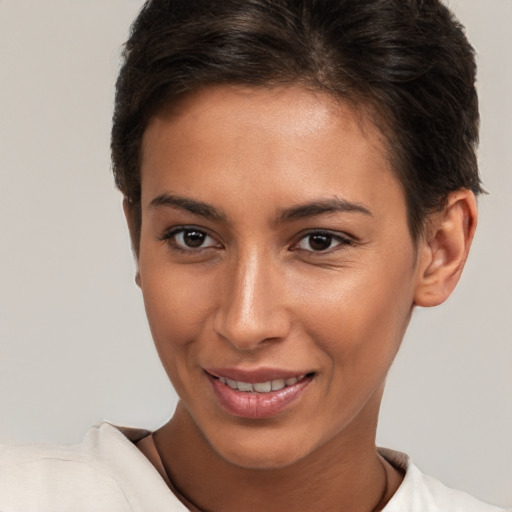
[[445, 247], [134, 230]]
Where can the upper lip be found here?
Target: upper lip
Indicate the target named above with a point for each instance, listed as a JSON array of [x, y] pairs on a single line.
[[255, 375]]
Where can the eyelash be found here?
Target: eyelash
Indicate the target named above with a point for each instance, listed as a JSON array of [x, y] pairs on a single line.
[[341, 241], [170, 238]]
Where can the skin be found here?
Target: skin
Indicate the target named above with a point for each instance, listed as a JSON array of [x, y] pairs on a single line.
[[257, 291]]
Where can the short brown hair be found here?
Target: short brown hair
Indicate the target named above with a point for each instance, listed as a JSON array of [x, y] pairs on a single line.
[[409, 61]]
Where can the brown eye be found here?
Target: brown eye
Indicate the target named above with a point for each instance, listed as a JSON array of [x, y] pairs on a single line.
[[190, 239], [321, 241], [193, 238]]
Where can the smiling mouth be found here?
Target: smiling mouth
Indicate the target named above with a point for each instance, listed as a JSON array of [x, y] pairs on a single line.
[[261, 387], [260, 398]]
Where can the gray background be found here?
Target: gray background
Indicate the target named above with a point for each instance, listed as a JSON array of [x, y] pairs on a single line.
[[74, 346]]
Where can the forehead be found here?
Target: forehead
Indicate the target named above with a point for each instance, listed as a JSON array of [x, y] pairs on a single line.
[[291, 110], [285, 142]]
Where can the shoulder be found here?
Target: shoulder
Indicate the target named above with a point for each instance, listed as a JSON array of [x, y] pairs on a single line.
[[422, 493], [99, 474]]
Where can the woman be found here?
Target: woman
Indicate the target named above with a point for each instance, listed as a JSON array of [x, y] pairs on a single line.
[[297, 177]]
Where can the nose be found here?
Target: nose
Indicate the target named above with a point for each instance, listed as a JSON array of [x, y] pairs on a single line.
[[252, 306]]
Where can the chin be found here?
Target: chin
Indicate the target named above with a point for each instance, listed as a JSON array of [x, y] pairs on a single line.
[[254, 453]]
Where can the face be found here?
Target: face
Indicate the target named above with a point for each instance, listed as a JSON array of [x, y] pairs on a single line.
[[277, 268]]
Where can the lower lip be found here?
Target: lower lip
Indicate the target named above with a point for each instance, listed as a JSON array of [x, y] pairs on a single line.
[[254, 405]]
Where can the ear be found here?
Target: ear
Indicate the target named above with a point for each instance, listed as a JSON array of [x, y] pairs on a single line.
[[132, 215], [445, 247]]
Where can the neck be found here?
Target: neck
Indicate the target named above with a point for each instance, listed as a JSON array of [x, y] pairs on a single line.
[[344, 474]]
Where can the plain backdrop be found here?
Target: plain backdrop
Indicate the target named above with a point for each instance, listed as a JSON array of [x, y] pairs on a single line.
[[74, 345]]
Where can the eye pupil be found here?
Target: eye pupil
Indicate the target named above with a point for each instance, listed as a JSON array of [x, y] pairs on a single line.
[[320, 242], [193, 238]]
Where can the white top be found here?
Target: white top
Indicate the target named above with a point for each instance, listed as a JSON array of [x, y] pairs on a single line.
[[108, 473]]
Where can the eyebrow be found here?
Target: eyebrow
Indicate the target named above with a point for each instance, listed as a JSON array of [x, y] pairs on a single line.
[[333, 205], [190, 205], [296, 212]]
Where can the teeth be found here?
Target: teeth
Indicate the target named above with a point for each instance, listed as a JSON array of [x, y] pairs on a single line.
[[278, 384], [261, 387], [246, 386], [232, 383]]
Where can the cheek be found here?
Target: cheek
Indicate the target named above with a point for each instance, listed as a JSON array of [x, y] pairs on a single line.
[[175, 317], [359, 318], [175, 298], [177, 303]]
